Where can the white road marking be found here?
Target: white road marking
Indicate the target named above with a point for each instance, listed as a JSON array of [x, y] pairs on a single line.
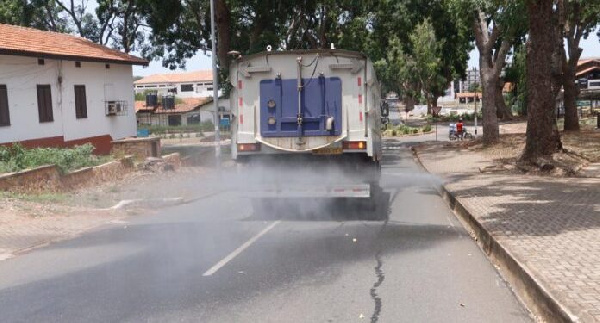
[[239, 250]]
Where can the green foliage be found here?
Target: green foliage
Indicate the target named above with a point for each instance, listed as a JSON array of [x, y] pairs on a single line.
[[39, 14], [475, 88], [16, 158], [455, 117], [427, 128]]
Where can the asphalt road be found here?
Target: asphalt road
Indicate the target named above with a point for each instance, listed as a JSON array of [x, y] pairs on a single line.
[[214, 260]]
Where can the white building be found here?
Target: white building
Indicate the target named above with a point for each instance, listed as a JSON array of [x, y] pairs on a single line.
[[184, 85], [186, 112], [61, 90]]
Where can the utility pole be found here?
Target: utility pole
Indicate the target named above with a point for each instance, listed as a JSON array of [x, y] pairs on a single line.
[[215, 84], [475, 101]]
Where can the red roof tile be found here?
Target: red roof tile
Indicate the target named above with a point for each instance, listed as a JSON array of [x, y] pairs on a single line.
[[198, 76], [16, 40], [468, 95]]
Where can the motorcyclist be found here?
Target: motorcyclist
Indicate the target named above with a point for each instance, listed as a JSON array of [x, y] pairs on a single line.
[[459, 127]]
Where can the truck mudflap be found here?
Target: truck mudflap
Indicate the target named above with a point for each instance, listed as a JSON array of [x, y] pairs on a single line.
[[311, 191]]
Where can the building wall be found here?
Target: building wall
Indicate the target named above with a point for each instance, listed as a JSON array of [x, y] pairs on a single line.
[[22, 75], [201, 89]]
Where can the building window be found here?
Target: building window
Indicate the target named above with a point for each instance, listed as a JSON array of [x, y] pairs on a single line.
[[41, 61], [107, 66], [80, 102], [4, 115], [78, 64], [209, 88], [44, 98], [187, 87]]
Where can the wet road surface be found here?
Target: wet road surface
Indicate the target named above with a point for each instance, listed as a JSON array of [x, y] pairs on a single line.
[[214, 260]]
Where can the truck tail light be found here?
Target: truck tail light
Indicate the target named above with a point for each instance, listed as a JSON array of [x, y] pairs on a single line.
[[355, 145], [248, 147]]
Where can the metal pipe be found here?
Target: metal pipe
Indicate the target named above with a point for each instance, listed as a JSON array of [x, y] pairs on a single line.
[[299, 116], [215, 84]]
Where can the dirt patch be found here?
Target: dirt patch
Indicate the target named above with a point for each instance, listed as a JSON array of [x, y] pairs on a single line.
[[580, 150]]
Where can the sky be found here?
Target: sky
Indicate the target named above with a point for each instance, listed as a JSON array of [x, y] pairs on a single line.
[[591, 48]]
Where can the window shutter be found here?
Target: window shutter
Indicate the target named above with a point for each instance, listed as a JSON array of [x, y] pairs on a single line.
[[4, 113], [80, 102], [44, 96]]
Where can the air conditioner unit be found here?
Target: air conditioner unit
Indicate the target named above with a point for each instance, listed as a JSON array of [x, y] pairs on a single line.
[[113, 107]]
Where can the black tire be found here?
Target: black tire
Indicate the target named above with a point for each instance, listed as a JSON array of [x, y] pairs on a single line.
[[469, 136]]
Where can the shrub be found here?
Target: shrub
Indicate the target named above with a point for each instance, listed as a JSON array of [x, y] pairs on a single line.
[[16, 158], [427, 128], [415, 130]]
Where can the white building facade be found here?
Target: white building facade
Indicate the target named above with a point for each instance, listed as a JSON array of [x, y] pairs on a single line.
[[51, 101], [184, 85]]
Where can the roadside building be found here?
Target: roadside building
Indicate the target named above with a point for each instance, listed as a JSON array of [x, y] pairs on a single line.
[[59, 90], [472, 79], [588, 78], [185, 85], [183, 112], [466, 98]]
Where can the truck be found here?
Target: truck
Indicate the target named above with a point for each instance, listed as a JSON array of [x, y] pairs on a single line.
[[306, 124]]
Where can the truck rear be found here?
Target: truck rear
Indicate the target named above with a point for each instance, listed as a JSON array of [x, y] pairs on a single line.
[[309, 121]]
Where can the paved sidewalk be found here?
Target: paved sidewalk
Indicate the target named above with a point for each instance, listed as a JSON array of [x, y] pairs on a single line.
[[550, 226]]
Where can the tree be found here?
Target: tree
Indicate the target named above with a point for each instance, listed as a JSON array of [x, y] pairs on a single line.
[[516, 74], [543, 66], [428, 63], [397, 73], [581, 19], [39, 14], [495, 26], [399, 18]]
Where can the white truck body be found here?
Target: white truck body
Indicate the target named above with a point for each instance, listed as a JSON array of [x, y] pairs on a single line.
[[339, 120], [360, 101]]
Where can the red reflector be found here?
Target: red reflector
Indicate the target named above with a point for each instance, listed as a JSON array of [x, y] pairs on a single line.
[[360, 99], [359, 81], [239, 84], [355, 145], [360, 116], [248, 147], [240, 102], [241, 119]]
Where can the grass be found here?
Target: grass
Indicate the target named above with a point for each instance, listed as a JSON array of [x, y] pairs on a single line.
[[16, 158], [40, 198], [405, 130]]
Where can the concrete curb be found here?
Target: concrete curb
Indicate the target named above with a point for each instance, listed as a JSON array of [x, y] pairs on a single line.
[[529, 289]]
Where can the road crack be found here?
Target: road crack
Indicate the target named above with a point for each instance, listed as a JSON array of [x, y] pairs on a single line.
[[374, 295], [380, 277]]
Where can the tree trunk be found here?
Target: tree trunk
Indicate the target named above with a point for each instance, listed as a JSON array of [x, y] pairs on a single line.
[[570, 97], [543, 138], [503, 111], [223, 27], [491, 130]]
